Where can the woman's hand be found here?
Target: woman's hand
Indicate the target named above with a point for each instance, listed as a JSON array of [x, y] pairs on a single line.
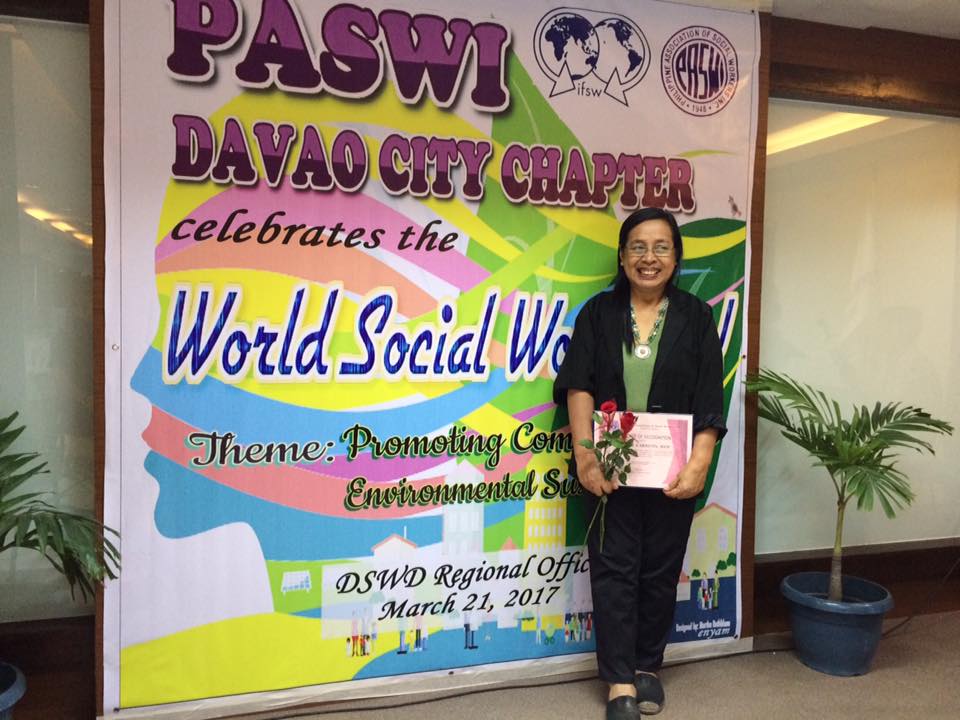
[[580, 406], [692, 477], [591, 476], [689, 481]]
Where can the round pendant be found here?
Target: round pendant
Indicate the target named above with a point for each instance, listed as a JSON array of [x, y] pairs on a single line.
[[642, 351]]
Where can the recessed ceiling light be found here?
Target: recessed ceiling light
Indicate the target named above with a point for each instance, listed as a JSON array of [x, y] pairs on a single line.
[[39, 214], [821, 128]]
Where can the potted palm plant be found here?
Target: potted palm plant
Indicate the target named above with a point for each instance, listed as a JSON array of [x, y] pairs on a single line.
[[837, 619], [77, 546]]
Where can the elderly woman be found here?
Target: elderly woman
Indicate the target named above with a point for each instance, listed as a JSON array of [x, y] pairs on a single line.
[[650, 347]]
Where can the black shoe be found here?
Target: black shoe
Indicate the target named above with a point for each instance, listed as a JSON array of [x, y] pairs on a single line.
[[649, 693], [623, 708]]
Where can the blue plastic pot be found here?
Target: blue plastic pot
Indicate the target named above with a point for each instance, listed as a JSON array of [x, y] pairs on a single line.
[[837, 638], [12, 687]]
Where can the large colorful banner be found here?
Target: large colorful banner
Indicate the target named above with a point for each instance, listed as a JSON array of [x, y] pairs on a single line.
[[346, 246]]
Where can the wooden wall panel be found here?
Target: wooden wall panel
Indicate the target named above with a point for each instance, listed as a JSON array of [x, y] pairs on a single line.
[[875, 68], [99, 230], [75, 11], [922, 577], [748, 519]]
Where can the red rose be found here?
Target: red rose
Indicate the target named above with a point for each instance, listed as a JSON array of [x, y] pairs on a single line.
[[607, 409], [627, 421]]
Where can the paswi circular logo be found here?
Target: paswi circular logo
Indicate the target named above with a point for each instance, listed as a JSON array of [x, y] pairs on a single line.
[[699, 70]]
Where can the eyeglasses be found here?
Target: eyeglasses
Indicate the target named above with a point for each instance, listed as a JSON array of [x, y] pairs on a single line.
[[640, 249]]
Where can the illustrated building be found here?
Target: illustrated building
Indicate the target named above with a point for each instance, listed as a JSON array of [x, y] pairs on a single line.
[[393, 545], [544, 524], [294, 581], [714, 538], [463, 522]]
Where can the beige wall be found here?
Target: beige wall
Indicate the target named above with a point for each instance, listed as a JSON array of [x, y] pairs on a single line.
[[860, 297]]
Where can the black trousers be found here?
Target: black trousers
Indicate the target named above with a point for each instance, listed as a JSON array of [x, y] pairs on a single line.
[[634, 580]]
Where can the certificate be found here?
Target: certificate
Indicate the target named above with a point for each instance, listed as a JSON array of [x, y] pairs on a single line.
[[662, 442]]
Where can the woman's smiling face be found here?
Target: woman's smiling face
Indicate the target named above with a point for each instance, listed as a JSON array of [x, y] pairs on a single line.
[[648, 257]]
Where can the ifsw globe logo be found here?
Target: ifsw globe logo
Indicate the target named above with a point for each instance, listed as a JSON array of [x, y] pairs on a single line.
[[591, 53]]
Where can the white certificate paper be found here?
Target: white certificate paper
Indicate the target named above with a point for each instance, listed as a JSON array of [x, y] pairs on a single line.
[[663, 443]]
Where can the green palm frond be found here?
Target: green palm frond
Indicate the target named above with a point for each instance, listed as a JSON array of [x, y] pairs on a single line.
[[859, 453], [77, 546]]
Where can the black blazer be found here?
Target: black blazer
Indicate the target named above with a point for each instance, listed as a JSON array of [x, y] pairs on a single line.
[[687, 375]]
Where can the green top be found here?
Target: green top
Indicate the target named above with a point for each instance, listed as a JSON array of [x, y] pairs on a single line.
[[638, 375]]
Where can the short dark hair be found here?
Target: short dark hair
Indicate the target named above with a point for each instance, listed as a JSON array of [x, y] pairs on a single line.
[[621, 285]]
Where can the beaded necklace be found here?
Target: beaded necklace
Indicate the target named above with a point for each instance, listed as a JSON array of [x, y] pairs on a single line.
[[641, 348]]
